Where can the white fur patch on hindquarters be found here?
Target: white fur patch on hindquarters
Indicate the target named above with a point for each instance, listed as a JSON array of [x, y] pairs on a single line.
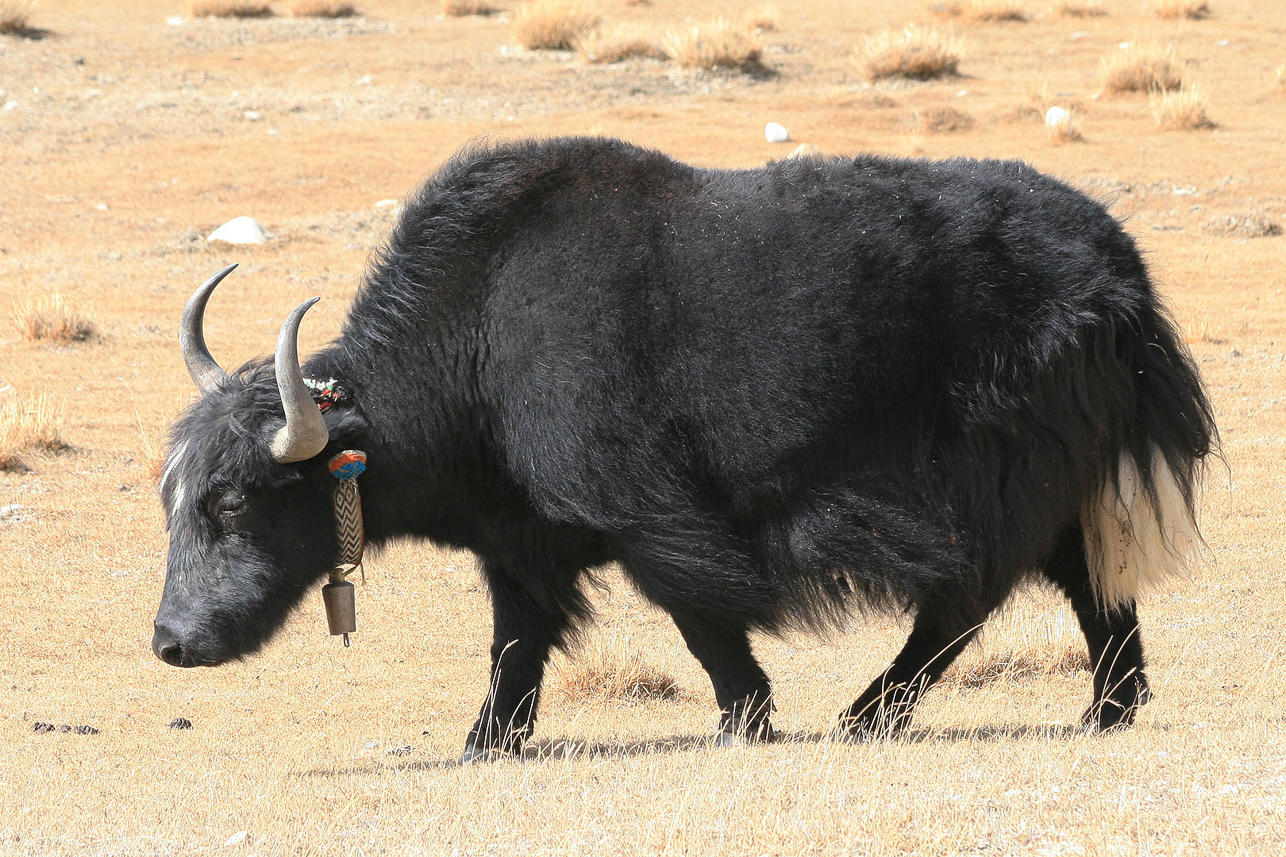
[[1133, 544]]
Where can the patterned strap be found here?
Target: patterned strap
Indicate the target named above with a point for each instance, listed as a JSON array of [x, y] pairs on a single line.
[[346, 466]]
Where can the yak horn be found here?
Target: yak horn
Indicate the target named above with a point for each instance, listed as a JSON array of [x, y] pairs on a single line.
[[305, 433], [205, 372]]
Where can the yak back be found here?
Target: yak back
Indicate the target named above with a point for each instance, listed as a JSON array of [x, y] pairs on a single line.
[[771, 387]]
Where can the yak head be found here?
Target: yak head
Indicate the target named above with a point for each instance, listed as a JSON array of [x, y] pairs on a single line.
[[248, 501]]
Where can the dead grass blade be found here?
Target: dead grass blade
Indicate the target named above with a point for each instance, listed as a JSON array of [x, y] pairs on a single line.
[[52, 318], [915, 53]]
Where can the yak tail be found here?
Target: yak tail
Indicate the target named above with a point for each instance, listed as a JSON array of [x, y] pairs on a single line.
[[1140, 525]]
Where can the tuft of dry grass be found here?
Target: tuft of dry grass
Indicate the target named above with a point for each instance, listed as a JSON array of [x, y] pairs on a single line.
[[230, 9], [462, 8], [29, 425], [761, 18], [52, 318], [1017, 665], [1140, 67], [14, 15], [618, 43], [554, 25], [982, 10], [1182, 109], [916, 53], [1080, 8], [714, 44], [612, 670], [322, 9], [1171, 10]]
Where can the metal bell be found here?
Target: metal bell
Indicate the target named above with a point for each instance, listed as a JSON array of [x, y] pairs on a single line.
[[341, 607]]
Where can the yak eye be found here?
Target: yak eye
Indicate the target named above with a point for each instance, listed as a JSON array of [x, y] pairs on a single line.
[[229, 504]]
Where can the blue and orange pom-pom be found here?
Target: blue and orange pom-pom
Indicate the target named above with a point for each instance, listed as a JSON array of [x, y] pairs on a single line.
[[349, 464]]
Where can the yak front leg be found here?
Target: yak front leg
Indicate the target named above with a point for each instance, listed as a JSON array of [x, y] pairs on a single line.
[[523, 634]]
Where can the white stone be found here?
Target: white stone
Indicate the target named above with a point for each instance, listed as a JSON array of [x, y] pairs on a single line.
[[386, 203], [1058, 117], [174, 21], [253, 115], [9, 105], [775, 132], [239, 230]]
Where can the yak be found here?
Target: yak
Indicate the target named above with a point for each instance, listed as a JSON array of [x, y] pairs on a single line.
[[772, 396]]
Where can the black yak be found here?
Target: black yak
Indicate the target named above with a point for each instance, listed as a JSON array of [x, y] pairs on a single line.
[[771, 395]]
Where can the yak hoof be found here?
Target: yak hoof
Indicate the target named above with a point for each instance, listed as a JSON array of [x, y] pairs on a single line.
[[1118, 709], [761, 733], [473, 753]]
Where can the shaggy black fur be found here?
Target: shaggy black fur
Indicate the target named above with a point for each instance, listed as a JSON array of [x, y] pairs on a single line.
[[773, 395]]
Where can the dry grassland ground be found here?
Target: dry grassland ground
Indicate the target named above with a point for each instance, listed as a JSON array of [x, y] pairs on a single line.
[[129, 131]]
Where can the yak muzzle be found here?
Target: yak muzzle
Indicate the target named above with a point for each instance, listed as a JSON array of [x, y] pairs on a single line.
[[168, 646]]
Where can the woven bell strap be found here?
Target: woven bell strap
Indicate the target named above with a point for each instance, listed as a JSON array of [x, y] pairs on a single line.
[[346, 466]]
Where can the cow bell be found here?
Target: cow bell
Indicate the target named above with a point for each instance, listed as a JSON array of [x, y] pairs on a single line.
[[341, 608]]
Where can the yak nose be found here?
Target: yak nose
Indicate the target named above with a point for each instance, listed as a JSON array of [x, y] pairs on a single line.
[[166, 645]]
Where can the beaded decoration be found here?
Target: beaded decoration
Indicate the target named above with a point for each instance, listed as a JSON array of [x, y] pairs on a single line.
[[326, 393]]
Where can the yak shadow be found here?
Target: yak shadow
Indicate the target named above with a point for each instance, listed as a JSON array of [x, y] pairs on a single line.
[[555, 749]]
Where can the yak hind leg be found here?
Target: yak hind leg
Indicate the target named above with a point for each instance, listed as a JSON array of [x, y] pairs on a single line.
[[741, 687], [525, 630], [1112, 637], [937, 638]]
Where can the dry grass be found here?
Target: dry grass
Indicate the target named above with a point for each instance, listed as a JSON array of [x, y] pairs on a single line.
[[618, 43], [28, 425], [230, 9], [52, 319], [1182, 109], [981, 10], [463, 8], [322, 9], [554, 24], [761, 18], [916, 53], [715, 44], [1171, 10], [611, 670], [1080, 8], [1140, 67], [14, 15]]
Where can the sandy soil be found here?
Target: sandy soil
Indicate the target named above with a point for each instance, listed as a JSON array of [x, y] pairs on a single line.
[[125, 138]]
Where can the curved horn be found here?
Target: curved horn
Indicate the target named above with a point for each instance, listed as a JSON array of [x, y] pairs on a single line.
[[304, 434], [205, 372]]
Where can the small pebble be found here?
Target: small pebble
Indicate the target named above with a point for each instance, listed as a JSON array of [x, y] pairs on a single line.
[[775, 132], [180, 723]]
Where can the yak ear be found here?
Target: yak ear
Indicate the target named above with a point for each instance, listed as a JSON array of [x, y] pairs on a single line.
[[346, 425]]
